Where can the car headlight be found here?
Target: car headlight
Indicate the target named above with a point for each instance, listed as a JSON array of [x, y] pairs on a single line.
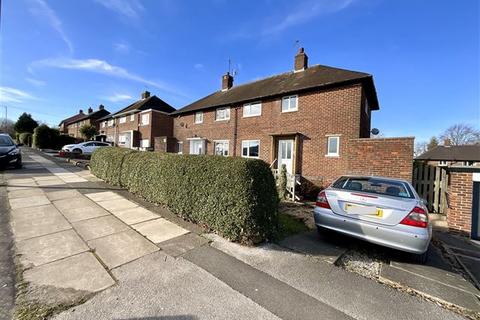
[[14, 152]]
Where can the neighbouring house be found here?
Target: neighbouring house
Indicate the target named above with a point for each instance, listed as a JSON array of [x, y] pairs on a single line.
[[315, 120], [446, 155], [137, 125], [71, 126]]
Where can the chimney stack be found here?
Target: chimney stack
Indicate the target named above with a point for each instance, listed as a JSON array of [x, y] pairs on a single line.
[[101, 107], [301, 60], [447, 142], [80, 111], [90, 110], [227, 81], [145, 94]]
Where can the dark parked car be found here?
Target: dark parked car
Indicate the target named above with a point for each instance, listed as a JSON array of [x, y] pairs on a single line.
[[10, 154]]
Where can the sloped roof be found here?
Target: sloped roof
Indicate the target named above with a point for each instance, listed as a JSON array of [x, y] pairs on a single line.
[[72, 119], [152, 102], [96, 114], [452, 153], [289, 82]]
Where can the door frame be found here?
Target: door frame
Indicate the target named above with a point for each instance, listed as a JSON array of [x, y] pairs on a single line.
[[279, 149], [475, 232], [295, 136]]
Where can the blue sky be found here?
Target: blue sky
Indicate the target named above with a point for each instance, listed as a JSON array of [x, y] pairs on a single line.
[[59, 56]]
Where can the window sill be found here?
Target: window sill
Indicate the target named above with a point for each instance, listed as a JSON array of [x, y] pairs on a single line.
[[252, 116], [219, 120], [332, 155], [198, 123], [288, 111]]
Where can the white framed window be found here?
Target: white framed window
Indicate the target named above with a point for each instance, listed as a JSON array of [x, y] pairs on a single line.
[[197, 146], [122, 139], [199, 117], [333, 146], [110, 123], [467, 163], [252, 109], [221, 147], [290, 103], [250, 148], [145, 119], [104, 123], [132, 117], [123, 119], [180, 147], [442, 163], [145, 143], [222, 114]]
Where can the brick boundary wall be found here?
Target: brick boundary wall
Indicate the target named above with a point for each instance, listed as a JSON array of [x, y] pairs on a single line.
[[459, 213], [388, 157]]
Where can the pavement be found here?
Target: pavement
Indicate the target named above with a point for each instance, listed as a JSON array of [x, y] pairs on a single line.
[[134, 260]]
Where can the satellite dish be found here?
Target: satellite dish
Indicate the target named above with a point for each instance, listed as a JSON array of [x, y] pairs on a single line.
[[375, 131]]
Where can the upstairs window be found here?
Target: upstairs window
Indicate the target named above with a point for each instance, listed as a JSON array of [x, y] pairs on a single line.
[[132, 117], [199, 117], [110, 123], [252, 109], [104, 124], [333, 146], [250, 148], [290, 103], [145, 119], [222, 114], [123, 119], [442, 163]]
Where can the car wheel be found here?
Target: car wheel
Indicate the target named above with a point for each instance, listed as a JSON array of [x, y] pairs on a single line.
[[324, 232], [18, 164], [77, 151]]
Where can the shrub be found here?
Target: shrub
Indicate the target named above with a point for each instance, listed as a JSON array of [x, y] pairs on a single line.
[[45, 137], [236, 197], [88, 131], [106, 163], [282, 183], [64, 139], [25, 138]]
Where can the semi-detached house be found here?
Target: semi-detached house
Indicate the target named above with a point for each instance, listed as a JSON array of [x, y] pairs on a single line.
[[315, 120]]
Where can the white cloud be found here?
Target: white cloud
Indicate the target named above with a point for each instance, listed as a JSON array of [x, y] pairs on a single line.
[[43, 10], [129, 8], [121, 47], [116, 97], [305, 12], [36, 82], [198, 66], [9, 94], [102, 67]]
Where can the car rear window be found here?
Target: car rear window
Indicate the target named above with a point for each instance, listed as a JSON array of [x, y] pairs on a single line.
[[375, 185]]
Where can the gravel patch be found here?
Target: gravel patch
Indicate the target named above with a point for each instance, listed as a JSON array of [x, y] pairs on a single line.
[[361, 262]]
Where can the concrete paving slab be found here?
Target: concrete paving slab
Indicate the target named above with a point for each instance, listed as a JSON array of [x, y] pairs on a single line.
[[80, 208], [182, 244], [117, 204], [120, 248], [39, 226], [25, 182], [52, 182], [79, 272], [30, 213], [135, 215], [472, 266], [73, 179], [33, 201], [99, 227], [48, 248], [102, 196], [433, 288], [45, 177], [25, 193], [159, 230], [63, 194], [311, 244]]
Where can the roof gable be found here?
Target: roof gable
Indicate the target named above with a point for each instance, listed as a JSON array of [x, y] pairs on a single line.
[[452, 153], [152, 102]]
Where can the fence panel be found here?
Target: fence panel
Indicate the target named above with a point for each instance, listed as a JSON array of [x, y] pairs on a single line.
[[430, 182]]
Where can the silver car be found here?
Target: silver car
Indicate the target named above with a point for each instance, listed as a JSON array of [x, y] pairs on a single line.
[[380, 210]]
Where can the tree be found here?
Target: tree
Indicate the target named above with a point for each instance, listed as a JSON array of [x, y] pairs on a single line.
[[25, 123], [433, 143], [461, 134], [88, 131], [420, 148], [6, 126]]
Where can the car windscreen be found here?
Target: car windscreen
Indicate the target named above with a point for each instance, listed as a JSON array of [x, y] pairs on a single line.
[[6, 141], [375, 185]]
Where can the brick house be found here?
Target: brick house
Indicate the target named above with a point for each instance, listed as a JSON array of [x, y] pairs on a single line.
[[314, 120], [71, 126], [447, 155], [136, 125]]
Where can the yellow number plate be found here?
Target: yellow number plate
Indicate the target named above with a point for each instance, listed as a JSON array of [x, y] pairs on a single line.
[[362, 210]]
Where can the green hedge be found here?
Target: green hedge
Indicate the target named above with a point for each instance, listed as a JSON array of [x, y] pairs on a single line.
[[45, 137], [236, 197], [25, 138]]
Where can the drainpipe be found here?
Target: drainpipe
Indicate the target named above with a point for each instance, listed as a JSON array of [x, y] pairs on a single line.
[[235, 132]]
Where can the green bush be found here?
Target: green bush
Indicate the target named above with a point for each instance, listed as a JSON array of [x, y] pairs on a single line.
[[45, 137], [25, 138], [236, 197], [62, 140]]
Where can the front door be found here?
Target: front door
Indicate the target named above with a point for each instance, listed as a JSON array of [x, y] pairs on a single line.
[[285, 154], [476, 211]]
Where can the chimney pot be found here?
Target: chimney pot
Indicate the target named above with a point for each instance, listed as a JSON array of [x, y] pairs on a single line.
[[301, 60], [101, 107], [227, 81], [145, 94], [90, 110], [80, 111]]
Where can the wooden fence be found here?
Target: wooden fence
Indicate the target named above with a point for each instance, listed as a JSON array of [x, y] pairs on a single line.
[[431, 184]]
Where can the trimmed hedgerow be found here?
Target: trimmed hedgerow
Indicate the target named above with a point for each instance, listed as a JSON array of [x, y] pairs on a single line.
[[236, 197], [106, 163]]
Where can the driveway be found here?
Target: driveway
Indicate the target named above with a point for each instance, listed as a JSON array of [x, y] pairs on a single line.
[[80, 240]]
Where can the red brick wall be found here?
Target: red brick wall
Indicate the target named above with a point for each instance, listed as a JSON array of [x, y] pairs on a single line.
[[459, 213], [388, 157], [320, 113]]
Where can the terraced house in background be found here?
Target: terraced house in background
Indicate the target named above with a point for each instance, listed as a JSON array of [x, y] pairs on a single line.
[[136, 125], [314, 120], [71, 126]]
